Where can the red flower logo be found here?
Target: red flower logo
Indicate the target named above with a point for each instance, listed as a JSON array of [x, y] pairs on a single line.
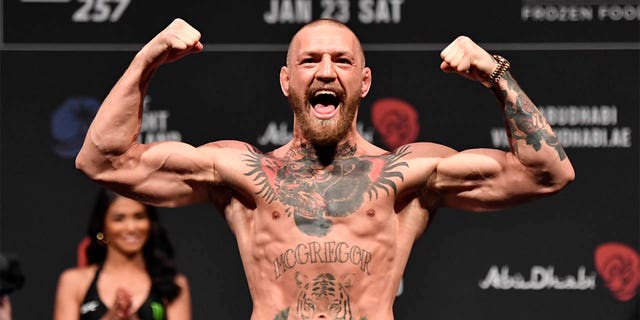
[[619, 267], [396, 121]]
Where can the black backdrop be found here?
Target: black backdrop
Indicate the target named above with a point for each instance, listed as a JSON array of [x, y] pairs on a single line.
[[577, 59]]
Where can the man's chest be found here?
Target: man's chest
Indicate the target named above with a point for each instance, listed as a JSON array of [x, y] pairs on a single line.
[[315, 194]]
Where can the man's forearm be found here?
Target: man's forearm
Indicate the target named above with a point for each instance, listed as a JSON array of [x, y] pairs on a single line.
[[530, 136], [116, 126]]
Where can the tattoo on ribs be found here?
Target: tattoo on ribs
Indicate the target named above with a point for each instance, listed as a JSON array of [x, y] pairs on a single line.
[[528, 122], [312, 192]]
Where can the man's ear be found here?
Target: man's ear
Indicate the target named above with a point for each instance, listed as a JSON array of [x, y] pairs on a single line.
[[284, 80], [366, 82]]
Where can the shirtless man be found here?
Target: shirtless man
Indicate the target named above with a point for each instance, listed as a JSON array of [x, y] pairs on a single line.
[[325, 223]]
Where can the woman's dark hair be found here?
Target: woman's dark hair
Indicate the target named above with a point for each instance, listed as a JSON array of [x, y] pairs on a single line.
[[157, 251]]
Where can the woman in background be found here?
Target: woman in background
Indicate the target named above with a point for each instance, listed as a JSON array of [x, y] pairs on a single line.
[[130, 272]]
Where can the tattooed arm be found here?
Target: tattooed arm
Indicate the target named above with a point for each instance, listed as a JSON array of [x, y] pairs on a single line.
[[486, 179]]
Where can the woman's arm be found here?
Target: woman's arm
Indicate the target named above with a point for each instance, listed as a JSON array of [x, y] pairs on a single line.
[[68, 299], [180, 308]]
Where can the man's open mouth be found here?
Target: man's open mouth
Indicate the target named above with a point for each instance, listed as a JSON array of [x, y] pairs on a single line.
[[325, 103]]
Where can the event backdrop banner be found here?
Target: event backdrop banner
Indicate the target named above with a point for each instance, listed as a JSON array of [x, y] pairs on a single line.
[[570, 256]]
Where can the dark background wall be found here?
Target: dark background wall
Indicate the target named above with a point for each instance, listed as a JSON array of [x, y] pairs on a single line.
[[577, 59]]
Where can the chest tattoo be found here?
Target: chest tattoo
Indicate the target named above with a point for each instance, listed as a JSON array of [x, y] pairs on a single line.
[[312, 192]]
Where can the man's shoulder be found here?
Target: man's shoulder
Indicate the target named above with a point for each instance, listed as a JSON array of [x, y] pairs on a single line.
[[412, 150], [228, 144], [425, 150], [230, 149]]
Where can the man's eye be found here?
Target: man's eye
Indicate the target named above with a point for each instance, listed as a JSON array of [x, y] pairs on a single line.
[[344, 61]]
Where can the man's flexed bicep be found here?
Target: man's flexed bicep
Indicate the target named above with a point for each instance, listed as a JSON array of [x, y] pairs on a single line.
[[485, 179], [488, 179], [168, 173]]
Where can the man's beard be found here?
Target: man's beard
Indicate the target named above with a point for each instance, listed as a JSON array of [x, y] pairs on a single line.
[[321, 132]]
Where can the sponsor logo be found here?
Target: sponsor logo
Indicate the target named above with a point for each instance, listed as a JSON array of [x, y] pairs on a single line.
[[89, 307], [579, 10], [580, 126], [539, 278], [619, 267], [69, 124], [396, 121]]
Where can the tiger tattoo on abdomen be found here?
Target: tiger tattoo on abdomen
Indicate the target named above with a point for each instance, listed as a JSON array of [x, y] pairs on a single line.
[[323, 298]]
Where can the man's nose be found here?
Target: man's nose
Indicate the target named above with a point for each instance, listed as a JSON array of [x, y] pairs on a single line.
[[326, 69]]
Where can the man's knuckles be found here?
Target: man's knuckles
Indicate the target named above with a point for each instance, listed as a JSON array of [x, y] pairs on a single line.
[[179, 41]]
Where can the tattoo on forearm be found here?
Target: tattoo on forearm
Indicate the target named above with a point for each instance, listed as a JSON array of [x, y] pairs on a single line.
[[526, 122], [311, 192]]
